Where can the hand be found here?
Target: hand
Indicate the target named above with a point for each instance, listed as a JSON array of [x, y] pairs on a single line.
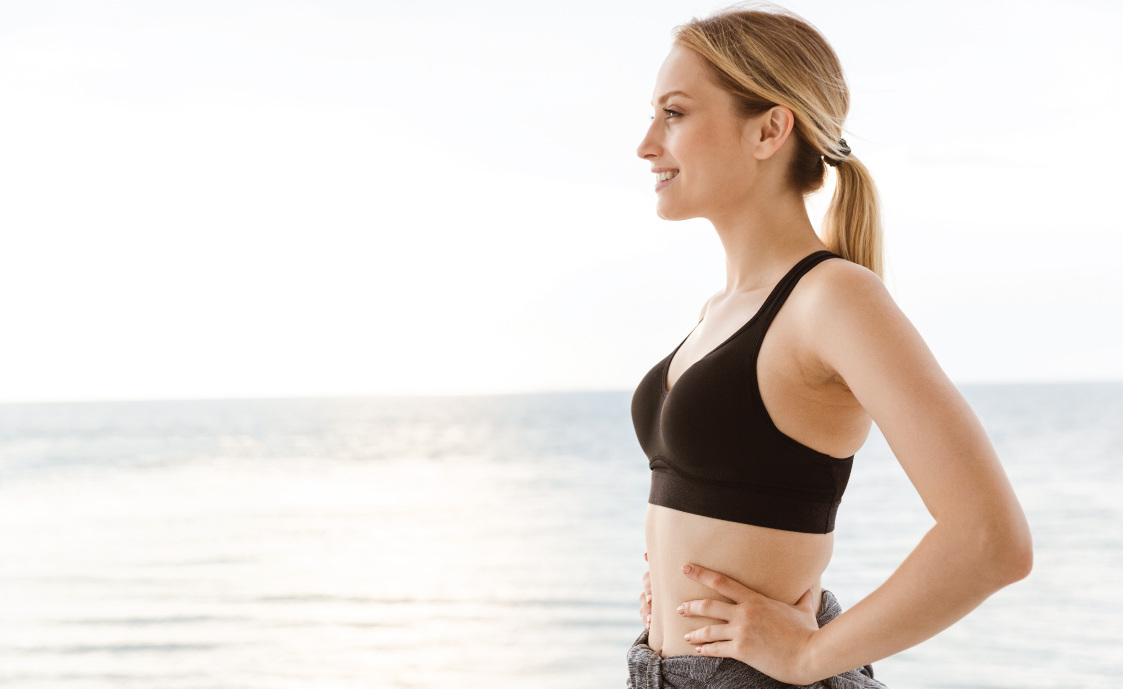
[[768, 634], [645, 600]]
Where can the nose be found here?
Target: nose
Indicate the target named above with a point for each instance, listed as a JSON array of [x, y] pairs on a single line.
[[649, 147]]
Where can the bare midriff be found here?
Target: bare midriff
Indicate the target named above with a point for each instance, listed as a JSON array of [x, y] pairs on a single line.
[[778, 564]]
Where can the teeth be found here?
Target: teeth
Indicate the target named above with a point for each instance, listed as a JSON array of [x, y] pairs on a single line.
[[664, 176]]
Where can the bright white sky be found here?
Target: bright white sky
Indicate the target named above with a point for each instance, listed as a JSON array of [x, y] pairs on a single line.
[[213, 199]]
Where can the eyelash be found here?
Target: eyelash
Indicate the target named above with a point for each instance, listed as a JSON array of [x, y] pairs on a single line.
[[670, 113]]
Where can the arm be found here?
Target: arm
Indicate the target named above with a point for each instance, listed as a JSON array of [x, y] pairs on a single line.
[[981, 540]]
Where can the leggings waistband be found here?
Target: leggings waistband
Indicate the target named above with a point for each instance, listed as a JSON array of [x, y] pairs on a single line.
[[649, 670]]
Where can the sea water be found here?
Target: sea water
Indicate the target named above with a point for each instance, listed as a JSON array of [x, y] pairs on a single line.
[[474, 542]]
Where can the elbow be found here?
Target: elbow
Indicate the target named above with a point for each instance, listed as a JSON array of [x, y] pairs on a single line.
[[1008, 549], [1017, 561]]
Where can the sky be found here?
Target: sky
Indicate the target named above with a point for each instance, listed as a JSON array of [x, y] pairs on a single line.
[[261, 199]]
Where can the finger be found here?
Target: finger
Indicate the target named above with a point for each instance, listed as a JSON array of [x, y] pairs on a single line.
[[714, 609], [718, 649], [733, 590], [647, 587], [714, 632]]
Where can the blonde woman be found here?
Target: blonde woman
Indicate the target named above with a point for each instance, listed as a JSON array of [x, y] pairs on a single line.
[[751, 424]]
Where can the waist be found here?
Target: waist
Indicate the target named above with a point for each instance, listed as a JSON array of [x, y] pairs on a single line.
[[778, 564]]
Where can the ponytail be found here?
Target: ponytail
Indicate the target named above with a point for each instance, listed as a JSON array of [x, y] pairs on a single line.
[[852, 225]]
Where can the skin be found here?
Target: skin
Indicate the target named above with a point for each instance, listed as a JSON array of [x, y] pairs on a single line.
[[839, 356]]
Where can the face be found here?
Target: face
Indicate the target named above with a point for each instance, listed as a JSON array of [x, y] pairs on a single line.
[[707, 160]]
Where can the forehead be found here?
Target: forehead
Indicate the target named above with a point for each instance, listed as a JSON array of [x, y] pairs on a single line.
[[683, 70]]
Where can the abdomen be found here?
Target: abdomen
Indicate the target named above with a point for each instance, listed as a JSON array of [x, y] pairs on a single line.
[[778, 564]]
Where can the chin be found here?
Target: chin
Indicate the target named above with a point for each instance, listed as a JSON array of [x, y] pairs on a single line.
[[669, 211]]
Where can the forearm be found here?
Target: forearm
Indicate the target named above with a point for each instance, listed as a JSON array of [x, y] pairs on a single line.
[[946, 576]]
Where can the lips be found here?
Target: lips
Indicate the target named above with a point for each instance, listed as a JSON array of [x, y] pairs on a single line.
[[664, 176]]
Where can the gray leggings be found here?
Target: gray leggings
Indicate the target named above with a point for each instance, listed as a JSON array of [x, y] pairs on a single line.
[[649, 670]]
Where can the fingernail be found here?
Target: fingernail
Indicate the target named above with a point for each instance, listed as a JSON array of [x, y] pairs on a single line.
[[687, 637], [686, 569], [698, 650], [649, 598], [682, 609]]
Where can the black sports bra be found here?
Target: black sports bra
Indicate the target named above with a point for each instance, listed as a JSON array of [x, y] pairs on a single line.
[[714, 450]]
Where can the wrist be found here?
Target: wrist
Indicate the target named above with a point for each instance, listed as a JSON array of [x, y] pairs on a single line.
[[810, 660]]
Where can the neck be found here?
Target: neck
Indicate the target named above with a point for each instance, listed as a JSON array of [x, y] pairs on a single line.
[[763, 238]]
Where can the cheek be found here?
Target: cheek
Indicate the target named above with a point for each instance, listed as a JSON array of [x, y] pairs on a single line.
[[708, 157]]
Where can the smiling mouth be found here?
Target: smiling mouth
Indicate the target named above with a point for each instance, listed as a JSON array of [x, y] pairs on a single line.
[[665, 176]]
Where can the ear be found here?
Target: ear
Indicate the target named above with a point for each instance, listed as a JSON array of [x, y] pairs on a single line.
[[770, 130]]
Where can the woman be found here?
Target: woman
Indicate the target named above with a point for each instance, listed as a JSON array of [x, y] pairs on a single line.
[[752, 422]]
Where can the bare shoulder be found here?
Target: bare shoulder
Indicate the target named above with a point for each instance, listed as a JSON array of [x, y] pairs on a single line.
[[854, 329], [843, 285], [838, 301]]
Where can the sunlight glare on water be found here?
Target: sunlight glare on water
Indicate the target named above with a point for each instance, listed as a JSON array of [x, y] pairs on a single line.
[[471, 542]]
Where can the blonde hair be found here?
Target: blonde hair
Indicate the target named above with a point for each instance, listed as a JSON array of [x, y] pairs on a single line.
[[765, 55]]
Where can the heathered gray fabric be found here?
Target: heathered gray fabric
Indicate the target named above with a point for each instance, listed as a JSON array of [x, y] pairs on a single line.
[[649, 670]]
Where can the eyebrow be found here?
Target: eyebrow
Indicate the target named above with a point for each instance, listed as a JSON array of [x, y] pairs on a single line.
[[668, 94]]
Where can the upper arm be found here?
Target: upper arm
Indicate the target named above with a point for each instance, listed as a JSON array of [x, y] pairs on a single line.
[[860, 333]]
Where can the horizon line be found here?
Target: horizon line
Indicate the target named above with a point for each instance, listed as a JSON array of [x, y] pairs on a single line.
[[454, 395]]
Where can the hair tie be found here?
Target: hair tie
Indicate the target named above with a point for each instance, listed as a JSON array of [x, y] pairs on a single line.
[[833, 162]]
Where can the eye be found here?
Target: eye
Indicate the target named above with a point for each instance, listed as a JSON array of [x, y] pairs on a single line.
[[670, 114]]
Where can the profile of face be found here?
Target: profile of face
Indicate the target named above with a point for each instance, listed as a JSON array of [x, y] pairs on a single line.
[[706, 158]]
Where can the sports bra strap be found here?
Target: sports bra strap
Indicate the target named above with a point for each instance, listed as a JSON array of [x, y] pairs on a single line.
[[780, 293]]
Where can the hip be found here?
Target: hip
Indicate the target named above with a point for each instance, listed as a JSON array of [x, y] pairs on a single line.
[[648, 669]]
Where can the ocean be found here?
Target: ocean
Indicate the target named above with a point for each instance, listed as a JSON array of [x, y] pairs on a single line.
[[474, 542]]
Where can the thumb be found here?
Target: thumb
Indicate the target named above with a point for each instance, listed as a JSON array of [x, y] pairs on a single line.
[[806, 602]]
